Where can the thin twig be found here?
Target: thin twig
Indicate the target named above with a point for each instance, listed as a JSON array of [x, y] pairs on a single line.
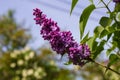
[[110, 12], [105, 66], [106, 6]]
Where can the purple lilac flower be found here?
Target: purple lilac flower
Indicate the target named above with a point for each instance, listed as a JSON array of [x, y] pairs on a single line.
[[116, 1], [47, 25], [39, 17], [79, 55], [61, 41]]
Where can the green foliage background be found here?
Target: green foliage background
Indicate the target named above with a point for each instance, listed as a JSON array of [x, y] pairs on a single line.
[[105, 39]]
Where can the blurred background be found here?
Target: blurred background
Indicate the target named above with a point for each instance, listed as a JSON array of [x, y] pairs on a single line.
[[24, 55]]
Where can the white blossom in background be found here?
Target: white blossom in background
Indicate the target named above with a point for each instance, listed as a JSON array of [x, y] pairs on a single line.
[[13, 55], [39, 73], [52, 62], [27, 48], [24, 79], [31, 54], [26, 57], [17, 52], [30, 72], [13, 65], [39, 69], [23, 51], [20, 62], [24, 73], [21, 58]]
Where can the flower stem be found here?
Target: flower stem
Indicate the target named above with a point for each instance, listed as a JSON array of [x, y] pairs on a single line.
[[105, 66]]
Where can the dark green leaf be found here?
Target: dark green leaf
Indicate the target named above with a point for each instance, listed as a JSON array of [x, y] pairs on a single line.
[[117, 8], [113, 59], [105, 21], [99, 49], [84, 18], [104, 33], [108, 36], [74, 2]]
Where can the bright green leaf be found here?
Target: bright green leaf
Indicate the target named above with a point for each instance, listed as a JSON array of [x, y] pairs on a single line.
[[110, 29], [74, 2], [92, 43], [98, 30], [86, 38], [84, 18]]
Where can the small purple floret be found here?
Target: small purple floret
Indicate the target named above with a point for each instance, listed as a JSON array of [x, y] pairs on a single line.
[[48, 27]]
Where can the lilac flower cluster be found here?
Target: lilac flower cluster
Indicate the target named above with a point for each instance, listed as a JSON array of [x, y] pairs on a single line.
[[116, 1], [61, 41], [79, 55]]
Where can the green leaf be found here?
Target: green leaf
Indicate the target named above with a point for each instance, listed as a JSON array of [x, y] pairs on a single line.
[[105, 21], [74, 2], [104, 33], [84, 18], [99, 49], [91, 1], [111, 29], [117, 8], [68, 63], [108, 36], [113, 58], [92, 43], [86, 38], [98, 30]]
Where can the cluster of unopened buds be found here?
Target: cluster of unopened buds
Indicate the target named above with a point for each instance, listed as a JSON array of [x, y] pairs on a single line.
[[61, 41]]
